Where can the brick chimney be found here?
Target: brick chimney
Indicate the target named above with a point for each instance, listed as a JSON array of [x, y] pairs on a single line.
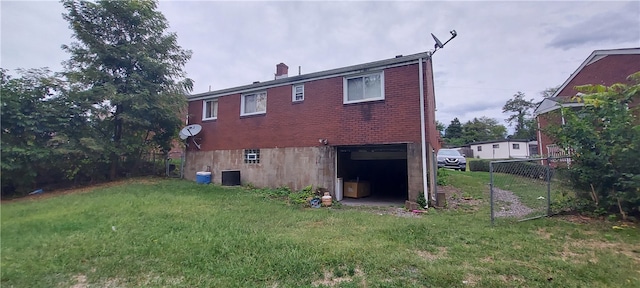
[[282, 71]]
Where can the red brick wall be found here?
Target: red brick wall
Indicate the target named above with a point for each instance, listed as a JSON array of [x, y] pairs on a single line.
[[321, 116], [606, 71], [547, 120]]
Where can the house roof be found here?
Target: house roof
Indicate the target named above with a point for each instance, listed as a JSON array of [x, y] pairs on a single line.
[[606, 74], [594, 57], [500, 141], [387, 63]]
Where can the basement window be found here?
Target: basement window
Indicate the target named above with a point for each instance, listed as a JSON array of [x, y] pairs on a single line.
[[253, 103], [368, 87], [251, 156], [210, 109], [297, 93]]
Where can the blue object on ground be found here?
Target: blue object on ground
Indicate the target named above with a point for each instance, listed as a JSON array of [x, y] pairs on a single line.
[[203, 177], [39, 191], [315, 202]]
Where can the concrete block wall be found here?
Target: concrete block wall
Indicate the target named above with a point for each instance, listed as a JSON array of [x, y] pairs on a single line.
[[295, 167]]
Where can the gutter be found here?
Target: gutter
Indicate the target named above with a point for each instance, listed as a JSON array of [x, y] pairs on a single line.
[[423, 136]]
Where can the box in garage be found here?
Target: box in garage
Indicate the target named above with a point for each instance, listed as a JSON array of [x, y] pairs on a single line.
[[353, 189]]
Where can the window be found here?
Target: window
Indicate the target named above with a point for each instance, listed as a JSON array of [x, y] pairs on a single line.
[[254, 103], [516, 146], [368, 87], [210, 109], [297, 93], [496, 146], [251, 156], [479, 148]]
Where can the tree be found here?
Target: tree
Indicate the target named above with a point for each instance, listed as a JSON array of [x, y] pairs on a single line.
[[521, 116], [45, 136], [604, 140], [126, 72], [440, 127], [547, 93], [483, 129], [454, 130]]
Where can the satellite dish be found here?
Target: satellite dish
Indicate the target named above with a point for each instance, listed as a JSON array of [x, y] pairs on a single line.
[[438, 43], [190, 131]]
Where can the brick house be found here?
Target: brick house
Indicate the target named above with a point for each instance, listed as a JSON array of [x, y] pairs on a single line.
[[605, 67], [356, 123]]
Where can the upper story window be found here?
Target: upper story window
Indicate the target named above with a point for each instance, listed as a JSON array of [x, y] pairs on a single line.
[[297, 93], [253, 103], [368, 87], [516, 146], [210, 109]]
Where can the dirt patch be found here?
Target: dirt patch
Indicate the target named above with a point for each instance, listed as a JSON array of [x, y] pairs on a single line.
[[456, 199], [81, 281], [330, 279], [432, 256], [471, 280], [85, 189], [543, 233]]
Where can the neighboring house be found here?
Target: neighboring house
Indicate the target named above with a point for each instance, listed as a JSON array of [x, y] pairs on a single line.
[[504, 149], [356, 123], [603, 67]]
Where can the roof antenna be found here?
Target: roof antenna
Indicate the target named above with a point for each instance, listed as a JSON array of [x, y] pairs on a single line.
[[439, 44]]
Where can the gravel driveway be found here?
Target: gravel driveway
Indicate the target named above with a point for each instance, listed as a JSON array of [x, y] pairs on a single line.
[[508, 204]]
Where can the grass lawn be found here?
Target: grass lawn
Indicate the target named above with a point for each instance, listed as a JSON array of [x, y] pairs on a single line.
[[175, 233]]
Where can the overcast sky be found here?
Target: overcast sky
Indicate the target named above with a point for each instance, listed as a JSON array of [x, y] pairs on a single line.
[[501, 48]]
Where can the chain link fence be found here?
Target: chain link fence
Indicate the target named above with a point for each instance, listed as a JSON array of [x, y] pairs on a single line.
[[525, 189]]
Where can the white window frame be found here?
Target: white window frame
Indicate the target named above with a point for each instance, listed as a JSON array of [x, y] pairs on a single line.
[[496, 146], [479, 148], [293, 93], [204, 109], [346, 88], [242, 103], [515, 146]]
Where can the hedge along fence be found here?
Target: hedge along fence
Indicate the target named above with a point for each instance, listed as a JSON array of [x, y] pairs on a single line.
[[529, 169]]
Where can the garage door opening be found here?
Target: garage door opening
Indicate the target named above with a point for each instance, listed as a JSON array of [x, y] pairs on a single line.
[[380, 169]]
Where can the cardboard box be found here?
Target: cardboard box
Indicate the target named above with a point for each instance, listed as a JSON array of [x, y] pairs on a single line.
[[354, 189]]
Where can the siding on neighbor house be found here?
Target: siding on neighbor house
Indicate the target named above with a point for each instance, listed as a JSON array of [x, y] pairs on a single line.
[[505, 150]]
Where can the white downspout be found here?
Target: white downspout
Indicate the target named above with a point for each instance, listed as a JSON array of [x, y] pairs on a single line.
[[422, 134]]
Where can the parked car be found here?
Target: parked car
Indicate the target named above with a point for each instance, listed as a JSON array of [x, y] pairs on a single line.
[[451, 158]]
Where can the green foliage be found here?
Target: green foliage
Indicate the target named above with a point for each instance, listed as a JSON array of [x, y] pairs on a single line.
[[521, 116], [454, 130], [478, 129], [422, 202], [126, 72], [604, 140], [483, 129], [443, 177], [479, 165]]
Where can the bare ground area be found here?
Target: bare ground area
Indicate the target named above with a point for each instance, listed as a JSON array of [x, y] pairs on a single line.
[[82, 189]]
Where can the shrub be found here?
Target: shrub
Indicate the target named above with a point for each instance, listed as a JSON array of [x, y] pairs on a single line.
[[479, 165]]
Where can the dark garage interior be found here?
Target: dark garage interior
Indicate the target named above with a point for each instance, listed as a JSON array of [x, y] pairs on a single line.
[[384, 167]]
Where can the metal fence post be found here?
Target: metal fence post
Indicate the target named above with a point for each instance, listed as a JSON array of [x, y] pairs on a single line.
[[491, 189], [548, 187]]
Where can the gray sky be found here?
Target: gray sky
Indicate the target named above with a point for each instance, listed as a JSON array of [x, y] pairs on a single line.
[[501, 48]]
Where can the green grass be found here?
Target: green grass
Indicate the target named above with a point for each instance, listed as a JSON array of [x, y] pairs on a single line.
[[174, 233]]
